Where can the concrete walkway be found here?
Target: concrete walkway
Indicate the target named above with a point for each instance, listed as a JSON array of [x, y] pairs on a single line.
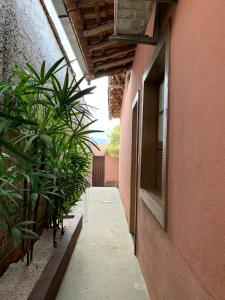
[[103, 266]]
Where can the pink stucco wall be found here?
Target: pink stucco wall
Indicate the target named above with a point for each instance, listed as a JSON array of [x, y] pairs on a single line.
[[187, 261], [111, 166], [111, 170]]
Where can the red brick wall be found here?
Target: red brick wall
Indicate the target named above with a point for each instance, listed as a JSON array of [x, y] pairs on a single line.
[[187, 261]]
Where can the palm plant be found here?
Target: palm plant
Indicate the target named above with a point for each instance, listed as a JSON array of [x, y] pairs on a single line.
[[44, 134]]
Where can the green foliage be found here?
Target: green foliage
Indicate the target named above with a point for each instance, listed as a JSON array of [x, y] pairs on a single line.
[[45, 148], [113, 145]]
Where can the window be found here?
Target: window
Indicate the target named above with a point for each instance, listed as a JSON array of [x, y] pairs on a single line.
[[159, 143], [154, 137]]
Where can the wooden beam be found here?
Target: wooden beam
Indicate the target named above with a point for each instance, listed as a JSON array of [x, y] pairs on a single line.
[[97, 13], [101, 45], [117, 94], [114, 54], [112, 71], [98, 18], [115, 63], [116, 86], [90, 3], [77, 25], [98, 29], [117, 77]]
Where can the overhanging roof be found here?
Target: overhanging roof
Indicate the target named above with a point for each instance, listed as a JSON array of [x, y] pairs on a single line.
[[115, 97], [93, 24], [104, 33], [61, 11]]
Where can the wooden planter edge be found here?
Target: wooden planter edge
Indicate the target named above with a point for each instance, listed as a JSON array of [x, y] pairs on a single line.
[[50, 280]]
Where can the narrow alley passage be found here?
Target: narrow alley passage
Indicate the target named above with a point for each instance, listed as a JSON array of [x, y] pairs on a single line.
[[103, 266]]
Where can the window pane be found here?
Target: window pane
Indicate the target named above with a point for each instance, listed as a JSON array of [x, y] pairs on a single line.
[[161, 107], [160, 128], [161, 96]]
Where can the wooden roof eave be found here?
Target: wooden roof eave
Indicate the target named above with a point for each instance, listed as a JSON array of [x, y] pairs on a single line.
[[102, 57], [115, 93], [77, 24]]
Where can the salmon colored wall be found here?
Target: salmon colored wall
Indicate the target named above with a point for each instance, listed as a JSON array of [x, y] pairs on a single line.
[[111, 169], [125, 151], [187, 261], [111, 165]]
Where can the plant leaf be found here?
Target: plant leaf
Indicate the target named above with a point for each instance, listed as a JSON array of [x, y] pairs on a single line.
[[13, 149], [16, 236], [31, 233], [34, 197], [24, 223], [47, 140], [16, 119], [52, 70]]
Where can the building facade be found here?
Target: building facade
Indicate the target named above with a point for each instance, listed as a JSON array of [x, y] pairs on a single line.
[[171, 173]]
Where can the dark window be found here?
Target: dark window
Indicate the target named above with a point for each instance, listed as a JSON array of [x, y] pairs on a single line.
[[159, 142], [154, 137]]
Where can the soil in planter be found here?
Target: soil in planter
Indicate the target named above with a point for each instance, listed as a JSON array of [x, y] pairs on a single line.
[[18, 281]]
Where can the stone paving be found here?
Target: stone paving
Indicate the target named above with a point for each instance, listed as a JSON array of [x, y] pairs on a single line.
[[103, 266]]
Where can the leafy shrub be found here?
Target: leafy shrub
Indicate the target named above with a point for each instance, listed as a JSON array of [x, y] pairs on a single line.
[[113, 146], [45, 149]]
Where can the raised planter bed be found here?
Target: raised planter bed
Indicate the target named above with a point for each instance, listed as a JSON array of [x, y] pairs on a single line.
[[42, 278], [49, 282], [13, 255]]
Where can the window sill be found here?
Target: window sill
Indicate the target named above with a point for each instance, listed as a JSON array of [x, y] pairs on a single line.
[[155, 204]]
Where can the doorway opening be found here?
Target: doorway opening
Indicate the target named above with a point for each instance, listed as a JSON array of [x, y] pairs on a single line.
[[134, 168], [98, 171]]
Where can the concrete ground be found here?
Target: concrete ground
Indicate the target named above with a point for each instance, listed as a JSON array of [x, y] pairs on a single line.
[[103, 266]]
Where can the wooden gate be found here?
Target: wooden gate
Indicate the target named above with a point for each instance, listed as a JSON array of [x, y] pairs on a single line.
[[98, 171]]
